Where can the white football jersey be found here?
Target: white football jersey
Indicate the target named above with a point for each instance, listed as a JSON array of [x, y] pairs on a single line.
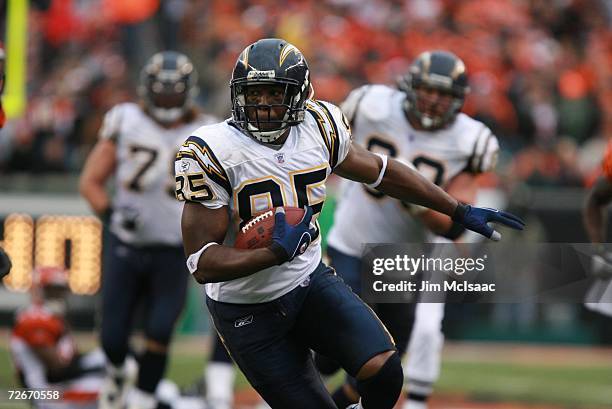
[[145, 211], [378, 122], [219, 166]]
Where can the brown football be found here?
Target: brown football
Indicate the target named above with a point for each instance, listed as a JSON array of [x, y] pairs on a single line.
[[257, 232]]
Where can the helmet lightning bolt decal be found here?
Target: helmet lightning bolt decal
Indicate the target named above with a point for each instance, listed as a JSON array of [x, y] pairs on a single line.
[[288, 49], [244, 57]]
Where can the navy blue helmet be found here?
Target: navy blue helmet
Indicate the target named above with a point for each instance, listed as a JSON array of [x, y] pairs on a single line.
[[441, 70], [273, 62], [168, 86]]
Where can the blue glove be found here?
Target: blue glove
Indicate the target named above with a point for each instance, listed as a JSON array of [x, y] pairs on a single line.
[[476, 219], [291, 241]]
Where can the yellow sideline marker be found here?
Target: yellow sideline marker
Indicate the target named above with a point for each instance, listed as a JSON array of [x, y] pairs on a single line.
[[14, 98]]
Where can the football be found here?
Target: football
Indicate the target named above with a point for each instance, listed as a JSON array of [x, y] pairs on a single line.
[[257, 232]]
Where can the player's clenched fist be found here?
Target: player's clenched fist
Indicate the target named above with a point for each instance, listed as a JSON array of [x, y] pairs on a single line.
[[289, 241]]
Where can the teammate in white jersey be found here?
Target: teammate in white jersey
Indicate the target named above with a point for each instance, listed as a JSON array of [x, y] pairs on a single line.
[[273, 305], [420, 124], [144, 259]]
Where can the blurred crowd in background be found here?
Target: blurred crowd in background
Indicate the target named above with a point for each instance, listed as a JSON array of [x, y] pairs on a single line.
[[540, 70]]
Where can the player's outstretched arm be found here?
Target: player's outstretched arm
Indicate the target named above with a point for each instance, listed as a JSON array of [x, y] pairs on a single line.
[[401, 182], [98, 168], [462, 187], [202, 226], [595, 214]]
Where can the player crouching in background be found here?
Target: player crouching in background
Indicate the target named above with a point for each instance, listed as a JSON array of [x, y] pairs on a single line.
[[44, 352], [46, 357]]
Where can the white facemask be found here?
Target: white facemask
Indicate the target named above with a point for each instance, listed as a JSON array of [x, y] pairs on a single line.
[[267, 136]]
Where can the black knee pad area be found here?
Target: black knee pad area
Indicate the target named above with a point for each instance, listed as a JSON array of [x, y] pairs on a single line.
[[382, 390]]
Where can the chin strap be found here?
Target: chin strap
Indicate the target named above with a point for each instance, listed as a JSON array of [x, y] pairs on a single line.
[[265, 136]]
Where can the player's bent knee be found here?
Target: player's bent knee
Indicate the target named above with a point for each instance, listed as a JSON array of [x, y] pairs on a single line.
[[371, 367], [159, 334], [156, 346], [382, 390]]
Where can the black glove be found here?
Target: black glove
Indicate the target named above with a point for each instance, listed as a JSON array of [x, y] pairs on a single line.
[[476, 219], [5, 263]]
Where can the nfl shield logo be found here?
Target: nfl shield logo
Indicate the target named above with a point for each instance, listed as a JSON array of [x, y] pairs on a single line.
[[280, 157]]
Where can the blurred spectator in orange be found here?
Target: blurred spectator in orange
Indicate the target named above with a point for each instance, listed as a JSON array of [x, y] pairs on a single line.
[[539, 69]]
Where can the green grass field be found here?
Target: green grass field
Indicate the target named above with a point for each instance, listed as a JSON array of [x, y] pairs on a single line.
[[569, 386], [567, 377]]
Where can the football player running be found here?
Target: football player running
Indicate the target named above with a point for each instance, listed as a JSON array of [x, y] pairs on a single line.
[[137, 144], [421, 124], [273, 305]]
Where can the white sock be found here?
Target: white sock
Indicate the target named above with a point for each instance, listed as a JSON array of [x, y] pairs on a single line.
[[167, 392], [115, 371], [414, 404], [139, 399], [220, 384], [113, 390], [418, 393]]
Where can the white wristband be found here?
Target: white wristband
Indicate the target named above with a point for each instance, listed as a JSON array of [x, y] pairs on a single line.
[[382, 172], [193, 260]]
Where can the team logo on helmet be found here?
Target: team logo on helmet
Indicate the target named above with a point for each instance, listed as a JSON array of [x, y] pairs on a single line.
[[286, 50]]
